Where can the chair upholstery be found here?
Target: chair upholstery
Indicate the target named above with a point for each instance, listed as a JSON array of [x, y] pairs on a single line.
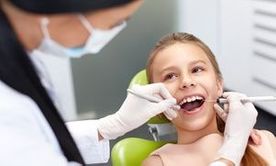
[[132, 151]]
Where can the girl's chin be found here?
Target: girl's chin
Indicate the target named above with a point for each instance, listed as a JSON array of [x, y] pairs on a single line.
[[198, 125], [196, 119]]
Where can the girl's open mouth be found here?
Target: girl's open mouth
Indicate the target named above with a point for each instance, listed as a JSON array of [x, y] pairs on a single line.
[[191, 103]]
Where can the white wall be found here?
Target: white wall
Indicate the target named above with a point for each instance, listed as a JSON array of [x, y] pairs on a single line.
[[246, 58], [200, 18]]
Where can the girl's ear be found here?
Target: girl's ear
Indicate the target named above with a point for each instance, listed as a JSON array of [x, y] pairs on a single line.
[[220, 87]]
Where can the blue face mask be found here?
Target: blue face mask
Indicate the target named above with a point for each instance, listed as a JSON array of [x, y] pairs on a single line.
[[95, 42]]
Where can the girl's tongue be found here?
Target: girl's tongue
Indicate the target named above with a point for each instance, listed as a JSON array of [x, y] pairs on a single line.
[[189, 106]]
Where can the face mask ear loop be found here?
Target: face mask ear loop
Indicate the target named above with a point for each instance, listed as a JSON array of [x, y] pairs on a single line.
[[86, 23], [44, 23]]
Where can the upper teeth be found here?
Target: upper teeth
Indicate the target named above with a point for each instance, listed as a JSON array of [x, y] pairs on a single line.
[[190, 99]]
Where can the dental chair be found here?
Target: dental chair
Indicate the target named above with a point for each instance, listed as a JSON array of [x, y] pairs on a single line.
[[132, 151]]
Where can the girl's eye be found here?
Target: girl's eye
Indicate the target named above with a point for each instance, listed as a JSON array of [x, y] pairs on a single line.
[[197, 69], [170, 76]]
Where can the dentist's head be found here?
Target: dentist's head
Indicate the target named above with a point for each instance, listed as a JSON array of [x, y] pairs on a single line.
[[68, 28]]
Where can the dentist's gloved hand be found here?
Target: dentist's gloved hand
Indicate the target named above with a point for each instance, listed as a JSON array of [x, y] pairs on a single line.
[[255, 138], [240, 121], [135, 111]]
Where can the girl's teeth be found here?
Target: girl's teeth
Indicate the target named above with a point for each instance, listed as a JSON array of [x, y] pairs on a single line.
[[189, 99]]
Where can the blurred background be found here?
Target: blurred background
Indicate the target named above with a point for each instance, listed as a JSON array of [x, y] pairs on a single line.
[[242, 34]]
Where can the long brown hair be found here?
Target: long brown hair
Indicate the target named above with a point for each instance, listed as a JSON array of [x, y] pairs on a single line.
[[250, 158]]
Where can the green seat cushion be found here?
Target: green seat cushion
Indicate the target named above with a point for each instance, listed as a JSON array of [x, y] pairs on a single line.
[[132, 151]]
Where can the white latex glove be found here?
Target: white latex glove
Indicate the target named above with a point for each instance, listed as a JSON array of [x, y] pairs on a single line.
[[240, 121], [223, 113], [135, 111]]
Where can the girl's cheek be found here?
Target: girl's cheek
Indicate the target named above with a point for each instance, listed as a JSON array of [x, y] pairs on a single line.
[[172, 89]]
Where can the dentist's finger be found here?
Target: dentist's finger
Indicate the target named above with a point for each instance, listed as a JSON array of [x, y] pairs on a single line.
[[170, 114], [255, 137], [221, 112], [176, 107]]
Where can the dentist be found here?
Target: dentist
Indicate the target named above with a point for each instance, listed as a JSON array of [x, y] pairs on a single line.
[[32, 130]]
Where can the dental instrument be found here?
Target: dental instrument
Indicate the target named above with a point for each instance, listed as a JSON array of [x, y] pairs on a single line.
[[143, 96], [250, 99]]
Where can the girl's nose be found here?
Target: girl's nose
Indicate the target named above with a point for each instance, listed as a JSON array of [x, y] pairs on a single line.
[[187, 82]]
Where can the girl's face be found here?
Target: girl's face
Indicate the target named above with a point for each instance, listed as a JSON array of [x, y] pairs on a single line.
[[189, 76]]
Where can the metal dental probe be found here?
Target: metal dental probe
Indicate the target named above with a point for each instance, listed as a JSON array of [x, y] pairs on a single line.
[[247, 99], [143, 96]]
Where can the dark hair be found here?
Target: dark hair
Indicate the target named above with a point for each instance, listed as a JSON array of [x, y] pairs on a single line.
[[18, 72], [66, 6]]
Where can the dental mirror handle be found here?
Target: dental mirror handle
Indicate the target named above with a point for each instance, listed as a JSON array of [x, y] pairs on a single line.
[[143, 96]]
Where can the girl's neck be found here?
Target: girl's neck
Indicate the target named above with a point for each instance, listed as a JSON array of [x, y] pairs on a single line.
[[188, 137]]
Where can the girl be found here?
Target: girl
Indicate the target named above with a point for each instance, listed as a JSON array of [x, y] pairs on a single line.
[[190, 72]]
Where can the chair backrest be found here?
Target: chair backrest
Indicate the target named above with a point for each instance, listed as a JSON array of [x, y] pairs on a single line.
[[132, 151]]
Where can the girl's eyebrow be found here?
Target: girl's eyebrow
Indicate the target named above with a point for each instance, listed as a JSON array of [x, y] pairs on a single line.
[[198, 61], [167, 69], [173, 67]]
